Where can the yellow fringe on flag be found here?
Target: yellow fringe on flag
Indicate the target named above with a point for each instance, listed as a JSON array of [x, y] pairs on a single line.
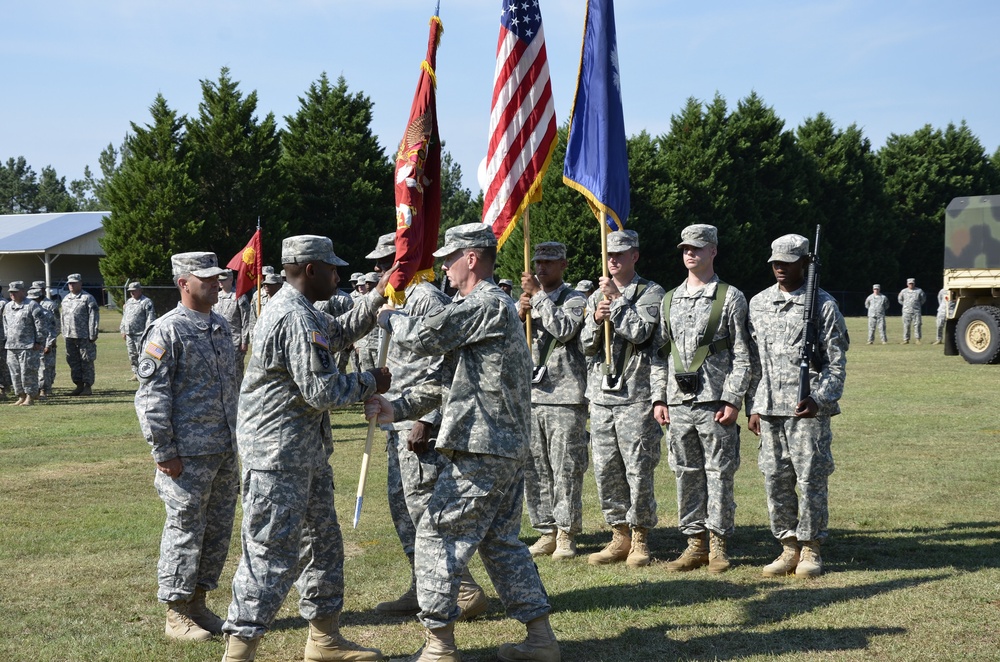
[[398, 298]]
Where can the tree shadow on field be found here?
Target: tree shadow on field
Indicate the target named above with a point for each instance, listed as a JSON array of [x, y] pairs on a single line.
[[676, 590], [101, 396], [966, 546]]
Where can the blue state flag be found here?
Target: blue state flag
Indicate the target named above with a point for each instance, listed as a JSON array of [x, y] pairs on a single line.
[[596, 152]]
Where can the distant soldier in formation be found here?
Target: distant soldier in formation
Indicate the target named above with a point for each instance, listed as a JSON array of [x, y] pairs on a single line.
[[698, 392], [137, 314], [795, 436], [335, 306], [625, 438], [186, 405], [878, 307], [485, 432], [46, 365], [507, 285], [586, 286], [25, 331], [290, 531], [553, 479], [236, 312], [942, 314], [912, 300], [367, 347], [4, 372], [80, 317]]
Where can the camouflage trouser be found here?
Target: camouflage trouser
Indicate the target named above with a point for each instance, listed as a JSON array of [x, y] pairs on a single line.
[[704, 456], [80, 355], [796, 452], [879, 324], [912, 320], [4, 372], [47, 370], [23, 367], [553, 478], [289, 528], [406, 530], [476, 504], [200, 505], [241, 361], [132, 344], [940, 321], [625, 441]]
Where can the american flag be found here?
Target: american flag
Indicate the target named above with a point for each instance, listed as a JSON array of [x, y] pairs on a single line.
[[522, 119]]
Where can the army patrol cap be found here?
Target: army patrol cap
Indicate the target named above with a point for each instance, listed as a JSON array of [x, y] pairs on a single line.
[[506, 281], [16, 286], [357, 277], [371, 277], [550, 250], [74, 278], [789, 248], [309, 248], [876, 286], [34, 293], [38, 284], [699, 235], [584, 286], [468, 235], [265, 270], [386, 246], [272, 279], [911, 280], [623, 240], [199, 265], [134, 285], [226, 276]]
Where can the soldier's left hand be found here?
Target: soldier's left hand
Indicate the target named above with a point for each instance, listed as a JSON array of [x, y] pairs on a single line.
[[529, 284], [171, 468], [384, 279], [378, 406], [807, 408], [727, 414], [419, 440]]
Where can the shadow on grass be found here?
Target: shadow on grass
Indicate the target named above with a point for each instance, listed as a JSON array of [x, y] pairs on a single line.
[[961, 545]]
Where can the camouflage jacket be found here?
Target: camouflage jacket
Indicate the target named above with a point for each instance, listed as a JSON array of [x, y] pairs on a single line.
[[414, 375], [51, 324], [336, 305], [80, 316], [725, 375], [53, 308], [565, 377], [912, 300], [877, 305], [486, 398], [137, 314], [776, 328], [231, 310], [291, 383], [186, 402], [24, 325], [634, 320]]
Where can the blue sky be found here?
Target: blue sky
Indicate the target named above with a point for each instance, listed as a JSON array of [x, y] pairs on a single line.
[[75, 74]]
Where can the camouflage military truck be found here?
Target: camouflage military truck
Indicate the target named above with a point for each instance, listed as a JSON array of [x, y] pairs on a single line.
[[972, 278]]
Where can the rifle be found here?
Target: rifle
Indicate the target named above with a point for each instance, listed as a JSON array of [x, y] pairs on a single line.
[[809, 332]]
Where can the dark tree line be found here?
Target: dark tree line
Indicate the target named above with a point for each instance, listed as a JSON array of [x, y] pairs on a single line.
[[180, 183]]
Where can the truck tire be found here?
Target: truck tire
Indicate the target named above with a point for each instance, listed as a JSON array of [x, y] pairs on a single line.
[[977, 335]]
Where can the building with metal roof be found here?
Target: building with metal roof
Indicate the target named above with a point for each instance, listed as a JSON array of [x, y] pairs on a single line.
[[49, 247]]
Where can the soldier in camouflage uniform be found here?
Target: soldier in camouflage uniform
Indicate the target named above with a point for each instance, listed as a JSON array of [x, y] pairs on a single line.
[[80, 317], [942, 315], [367, 347], [553, 479], [698, 392], [335, 306], [878, 306], [49, 362], [236, 312], [186, 405], [912, 300], [625, 438], [485, 433], [26, 331], [795, 437], [290, 527], [137, 314], [4, 372], [51, 323]]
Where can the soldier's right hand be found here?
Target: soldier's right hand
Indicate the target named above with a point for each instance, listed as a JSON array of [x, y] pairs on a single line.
[[171, 468], [661, 413], [383, 379], [753, 423], [603, 311], [523, 305], [380, 407]]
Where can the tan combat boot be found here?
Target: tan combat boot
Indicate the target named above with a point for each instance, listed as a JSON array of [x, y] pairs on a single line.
[[326, 645], [19, 401], [202, 615], [615, 551], [545, 545], [439, 646], [181, 626], [28, 401], [404, 605], [565, 546], [784, 564], [718, 558], [471, 598], [638, 555], [539, 646], [239, 649], [810, 562], [86, 390], [693, 557]]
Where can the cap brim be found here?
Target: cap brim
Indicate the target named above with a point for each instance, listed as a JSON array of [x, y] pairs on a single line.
[[380, 253], [208, 273], [446, 250], [693, 242], [784, 257]]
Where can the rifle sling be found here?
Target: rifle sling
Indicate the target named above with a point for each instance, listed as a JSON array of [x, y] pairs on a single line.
[[629, 350], [707, 345], [549, 341]]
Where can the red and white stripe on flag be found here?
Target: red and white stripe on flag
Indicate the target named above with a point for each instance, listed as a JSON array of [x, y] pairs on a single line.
[[522, 119]]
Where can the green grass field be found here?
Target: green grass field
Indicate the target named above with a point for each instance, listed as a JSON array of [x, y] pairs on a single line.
[[911, 563]]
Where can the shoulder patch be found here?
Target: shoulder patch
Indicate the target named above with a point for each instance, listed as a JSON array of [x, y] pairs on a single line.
[[154, 350], [319, 339], [146, 368], [435, 319]]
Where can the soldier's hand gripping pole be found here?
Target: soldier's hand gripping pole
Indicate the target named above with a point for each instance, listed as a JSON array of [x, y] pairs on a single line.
[[809, 331], [383, 350]]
